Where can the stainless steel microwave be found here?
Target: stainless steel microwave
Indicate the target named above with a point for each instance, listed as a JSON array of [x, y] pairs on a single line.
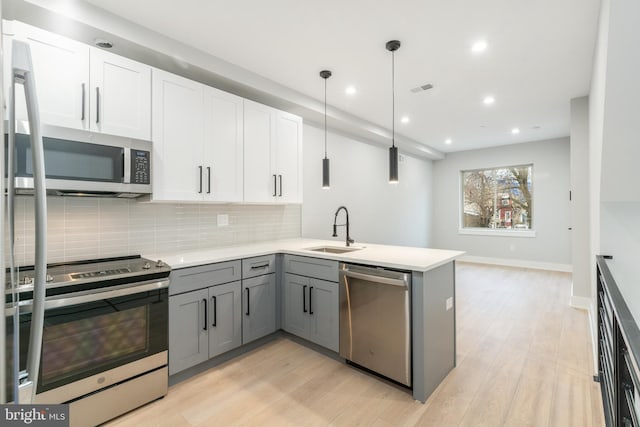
[[82, 163]]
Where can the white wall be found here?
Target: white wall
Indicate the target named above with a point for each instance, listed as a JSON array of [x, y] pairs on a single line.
[[614, 148], [378, 211], [551, 245], [580, 253]]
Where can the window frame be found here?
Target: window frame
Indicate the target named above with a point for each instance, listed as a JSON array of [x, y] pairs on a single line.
[[496, 232]]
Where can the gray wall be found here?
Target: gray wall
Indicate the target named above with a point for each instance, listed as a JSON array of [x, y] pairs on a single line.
[[551, 245], [378, 211], [580, 253]]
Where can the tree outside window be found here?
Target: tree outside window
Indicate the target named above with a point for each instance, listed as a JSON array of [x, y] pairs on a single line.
[[497, 198]]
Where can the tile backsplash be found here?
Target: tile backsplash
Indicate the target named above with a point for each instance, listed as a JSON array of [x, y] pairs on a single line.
[[84, 228]]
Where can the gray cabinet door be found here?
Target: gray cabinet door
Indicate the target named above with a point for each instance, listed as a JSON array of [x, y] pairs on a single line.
[[225, 318], [188, 330], [296, 305], [258, 307], [323, 313]]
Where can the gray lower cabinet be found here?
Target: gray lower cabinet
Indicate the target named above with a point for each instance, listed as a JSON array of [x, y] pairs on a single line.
[[258, 307], [188, 332], [311, 310], [204, 324], [205, 313], [225, 318]]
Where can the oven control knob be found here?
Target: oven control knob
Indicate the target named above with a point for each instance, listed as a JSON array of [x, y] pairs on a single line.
[[160, 264], [49, 278], [146, 266]]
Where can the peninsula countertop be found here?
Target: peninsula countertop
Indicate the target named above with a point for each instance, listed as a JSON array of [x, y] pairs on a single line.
[[398, 257]]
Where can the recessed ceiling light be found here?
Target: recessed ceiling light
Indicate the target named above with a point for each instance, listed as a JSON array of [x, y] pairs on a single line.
[[479, 46], [448, 141], [405, 119], [515, 131], [488, 100], [350, 90]]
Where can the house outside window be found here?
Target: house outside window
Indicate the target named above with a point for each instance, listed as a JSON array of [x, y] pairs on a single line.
[[497, 199]]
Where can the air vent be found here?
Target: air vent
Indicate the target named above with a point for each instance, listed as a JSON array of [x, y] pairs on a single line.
[[422, 88]]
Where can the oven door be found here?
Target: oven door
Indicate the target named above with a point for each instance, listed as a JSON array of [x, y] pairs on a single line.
[[96, 338]]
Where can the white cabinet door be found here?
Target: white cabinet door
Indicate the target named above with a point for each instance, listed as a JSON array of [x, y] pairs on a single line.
[[178, 133], [120, 96], [223, 142], [61, 68], [259, 132], [287, 154]]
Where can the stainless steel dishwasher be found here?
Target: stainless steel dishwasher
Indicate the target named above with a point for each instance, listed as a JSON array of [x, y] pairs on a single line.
[[375, 320]]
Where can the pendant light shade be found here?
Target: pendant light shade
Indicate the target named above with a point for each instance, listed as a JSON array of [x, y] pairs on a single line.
[[392, 46], [325, 74]]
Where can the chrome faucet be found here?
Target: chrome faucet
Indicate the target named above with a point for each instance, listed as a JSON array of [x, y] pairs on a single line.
[[349, 240]]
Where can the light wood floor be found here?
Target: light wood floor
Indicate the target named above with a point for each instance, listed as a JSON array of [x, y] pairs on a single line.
[[524, 358]]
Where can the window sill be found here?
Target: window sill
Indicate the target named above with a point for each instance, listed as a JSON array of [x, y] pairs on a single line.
[[496, 232]]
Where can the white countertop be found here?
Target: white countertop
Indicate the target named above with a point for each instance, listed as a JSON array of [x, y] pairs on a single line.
[[399, 257]]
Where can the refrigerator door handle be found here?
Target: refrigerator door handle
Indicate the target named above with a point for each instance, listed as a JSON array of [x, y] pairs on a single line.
[[22, 70]]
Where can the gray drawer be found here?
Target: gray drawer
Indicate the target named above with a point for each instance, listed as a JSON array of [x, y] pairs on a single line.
[[203, 276], [257, 266], [317, 268]]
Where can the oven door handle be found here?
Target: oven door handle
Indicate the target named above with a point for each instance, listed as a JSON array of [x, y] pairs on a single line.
[[136, 289], [65, 301]]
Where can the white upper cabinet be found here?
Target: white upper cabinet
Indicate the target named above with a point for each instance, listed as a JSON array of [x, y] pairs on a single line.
[[272, 155], [223, 142], [82, 87], [120, 96], [260, 182], [287, 154], [178, 135], [197, 141], [61, 68]]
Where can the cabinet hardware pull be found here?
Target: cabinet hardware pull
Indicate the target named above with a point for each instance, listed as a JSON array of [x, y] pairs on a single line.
[[204, 300], [258, 267], [310, 301], [200, 169], [248, 302], [215, 311], [208, 179], [275, 185], [280, 195], [97, 104], [82, 105], [304, 299]]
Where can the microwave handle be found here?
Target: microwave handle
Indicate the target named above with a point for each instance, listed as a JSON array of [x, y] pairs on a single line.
[[126, 173]]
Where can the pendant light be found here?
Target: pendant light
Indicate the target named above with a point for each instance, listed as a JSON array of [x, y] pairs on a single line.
[[325, 74], [392, 46]]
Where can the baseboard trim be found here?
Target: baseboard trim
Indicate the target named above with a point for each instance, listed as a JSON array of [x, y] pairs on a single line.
[[583, 303], [509, 262]]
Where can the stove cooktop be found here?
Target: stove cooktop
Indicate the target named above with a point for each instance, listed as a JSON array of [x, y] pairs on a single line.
[[92, 273]]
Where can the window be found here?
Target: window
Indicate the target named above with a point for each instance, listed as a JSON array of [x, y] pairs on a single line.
[[497, 198]]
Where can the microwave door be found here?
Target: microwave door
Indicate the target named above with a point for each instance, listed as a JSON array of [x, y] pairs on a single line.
[[24, 385]]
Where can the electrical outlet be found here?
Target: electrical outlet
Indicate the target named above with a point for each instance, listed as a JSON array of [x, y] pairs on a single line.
[[223, 220], [449, 303]]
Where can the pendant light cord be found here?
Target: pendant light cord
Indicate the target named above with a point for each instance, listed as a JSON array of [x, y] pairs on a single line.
[[325, 118], [393, 99]]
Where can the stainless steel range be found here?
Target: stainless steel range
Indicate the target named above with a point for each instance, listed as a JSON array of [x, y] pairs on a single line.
[[105, 335]]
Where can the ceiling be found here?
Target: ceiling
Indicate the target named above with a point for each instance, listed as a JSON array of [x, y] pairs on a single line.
[[539, 56]]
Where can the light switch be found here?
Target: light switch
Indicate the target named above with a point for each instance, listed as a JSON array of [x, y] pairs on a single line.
[[223, 220], [449, 303]]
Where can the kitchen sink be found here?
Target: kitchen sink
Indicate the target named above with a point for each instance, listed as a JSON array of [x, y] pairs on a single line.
[[333, 249]]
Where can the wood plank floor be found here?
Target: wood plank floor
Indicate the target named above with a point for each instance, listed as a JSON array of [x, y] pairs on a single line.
[[524, 359]]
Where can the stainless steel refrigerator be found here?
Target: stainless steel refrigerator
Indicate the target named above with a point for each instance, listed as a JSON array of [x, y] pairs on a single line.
[[20, 387]]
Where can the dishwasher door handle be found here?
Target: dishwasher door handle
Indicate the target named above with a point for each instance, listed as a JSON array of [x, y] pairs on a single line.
[[376, 279]]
